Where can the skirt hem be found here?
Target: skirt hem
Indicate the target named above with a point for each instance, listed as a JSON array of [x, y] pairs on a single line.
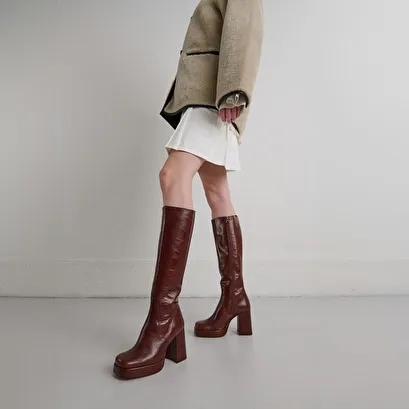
[[192, 151]]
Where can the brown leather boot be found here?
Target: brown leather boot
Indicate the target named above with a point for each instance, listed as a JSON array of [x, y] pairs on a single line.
[[163, 334], [233, 301]]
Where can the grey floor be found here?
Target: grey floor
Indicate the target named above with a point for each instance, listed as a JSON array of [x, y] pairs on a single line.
[[306, 353]]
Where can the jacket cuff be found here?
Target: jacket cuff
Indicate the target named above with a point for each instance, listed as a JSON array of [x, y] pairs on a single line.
[[235, 99]]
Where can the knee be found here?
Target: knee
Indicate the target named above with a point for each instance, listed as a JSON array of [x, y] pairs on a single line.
[[167, 178], [216, 195], [172, 176]]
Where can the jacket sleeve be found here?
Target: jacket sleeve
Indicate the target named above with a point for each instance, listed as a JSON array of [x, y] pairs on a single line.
[[240, 49]]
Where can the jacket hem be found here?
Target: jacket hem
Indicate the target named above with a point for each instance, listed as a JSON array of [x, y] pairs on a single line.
[[190, 53]]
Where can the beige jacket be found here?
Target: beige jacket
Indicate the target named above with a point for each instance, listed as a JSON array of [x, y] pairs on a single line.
[[220, 57]]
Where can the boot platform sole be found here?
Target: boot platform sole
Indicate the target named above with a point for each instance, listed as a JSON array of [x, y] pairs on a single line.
[[176, 352], [138, 372], [244, 327]]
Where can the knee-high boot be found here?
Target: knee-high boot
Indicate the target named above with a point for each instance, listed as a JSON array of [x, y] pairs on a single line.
[[233, 301], [163, 334]]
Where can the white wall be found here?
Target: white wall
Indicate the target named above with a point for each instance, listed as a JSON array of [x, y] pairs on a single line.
[[324, 195]]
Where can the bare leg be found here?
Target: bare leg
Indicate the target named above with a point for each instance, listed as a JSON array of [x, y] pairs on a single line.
[[176, 179], [216, 187]]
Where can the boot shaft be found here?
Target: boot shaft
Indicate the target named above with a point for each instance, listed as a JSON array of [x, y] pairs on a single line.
[[173, 249], [229, 248]]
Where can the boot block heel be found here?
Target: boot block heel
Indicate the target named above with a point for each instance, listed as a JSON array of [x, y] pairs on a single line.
[[176, 351], [244, 323]]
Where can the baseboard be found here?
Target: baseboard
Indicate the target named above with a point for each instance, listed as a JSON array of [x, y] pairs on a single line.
[[119, 278]]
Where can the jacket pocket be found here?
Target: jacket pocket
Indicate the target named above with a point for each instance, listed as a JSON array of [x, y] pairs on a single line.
[[190, 53]]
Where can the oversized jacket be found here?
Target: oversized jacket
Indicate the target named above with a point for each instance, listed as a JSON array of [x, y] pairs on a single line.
[[220, 56]]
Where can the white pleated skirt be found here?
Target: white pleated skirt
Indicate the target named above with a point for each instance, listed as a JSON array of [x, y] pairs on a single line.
[[201, 132]]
